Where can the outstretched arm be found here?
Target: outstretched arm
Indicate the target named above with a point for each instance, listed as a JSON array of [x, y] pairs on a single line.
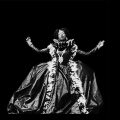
[[99, 45], [28, 40]]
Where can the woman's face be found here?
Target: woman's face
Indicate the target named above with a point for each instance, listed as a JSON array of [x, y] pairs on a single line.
[[61, 35]]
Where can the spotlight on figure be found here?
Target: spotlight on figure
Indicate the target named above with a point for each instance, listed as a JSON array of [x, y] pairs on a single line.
[[51, 83]]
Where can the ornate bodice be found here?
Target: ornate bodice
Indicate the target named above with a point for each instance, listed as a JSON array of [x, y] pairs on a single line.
[[64, 53]]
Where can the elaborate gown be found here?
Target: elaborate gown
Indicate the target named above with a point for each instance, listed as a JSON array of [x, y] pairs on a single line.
[[60, 86]]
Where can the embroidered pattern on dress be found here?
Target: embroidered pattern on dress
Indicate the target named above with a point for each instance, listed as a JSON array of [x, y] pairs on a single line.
[[77, 86], [51, 80]]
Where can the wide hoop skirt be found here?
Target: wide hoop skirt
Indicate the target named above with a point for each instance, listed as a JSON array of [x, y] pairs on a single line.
[[30, 96]]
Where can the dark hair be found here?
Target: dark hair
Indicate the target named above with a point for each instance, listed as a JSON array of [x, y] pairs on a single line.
[[63, 29]]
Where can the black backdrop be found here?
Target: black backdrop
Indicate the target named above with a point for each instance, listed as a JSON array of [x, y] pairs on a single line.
[[86, 22]]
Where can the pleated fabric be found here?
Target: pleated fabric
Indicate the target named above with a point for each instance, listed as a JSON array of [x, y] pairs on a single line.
[[30, 97]]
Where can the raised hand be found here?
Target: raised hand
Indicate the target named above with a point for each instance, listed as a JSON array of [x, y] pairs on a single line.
[[28, 40], [100, 44]]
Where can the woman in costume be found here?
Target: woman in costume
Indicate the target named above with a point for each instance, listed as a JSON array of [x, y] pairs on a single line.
[[59, 86]]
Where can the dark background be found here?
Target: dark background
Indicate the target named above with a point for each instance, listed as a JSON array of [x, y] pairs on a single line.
[[86, 21]]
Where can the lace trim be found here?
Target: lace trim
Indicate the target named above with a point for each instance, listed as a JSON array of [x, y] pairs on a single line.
[[77, 86]]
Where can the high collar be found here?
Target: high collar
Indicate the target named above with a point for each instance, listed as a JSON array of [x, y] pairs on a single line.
[[60, 41]]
